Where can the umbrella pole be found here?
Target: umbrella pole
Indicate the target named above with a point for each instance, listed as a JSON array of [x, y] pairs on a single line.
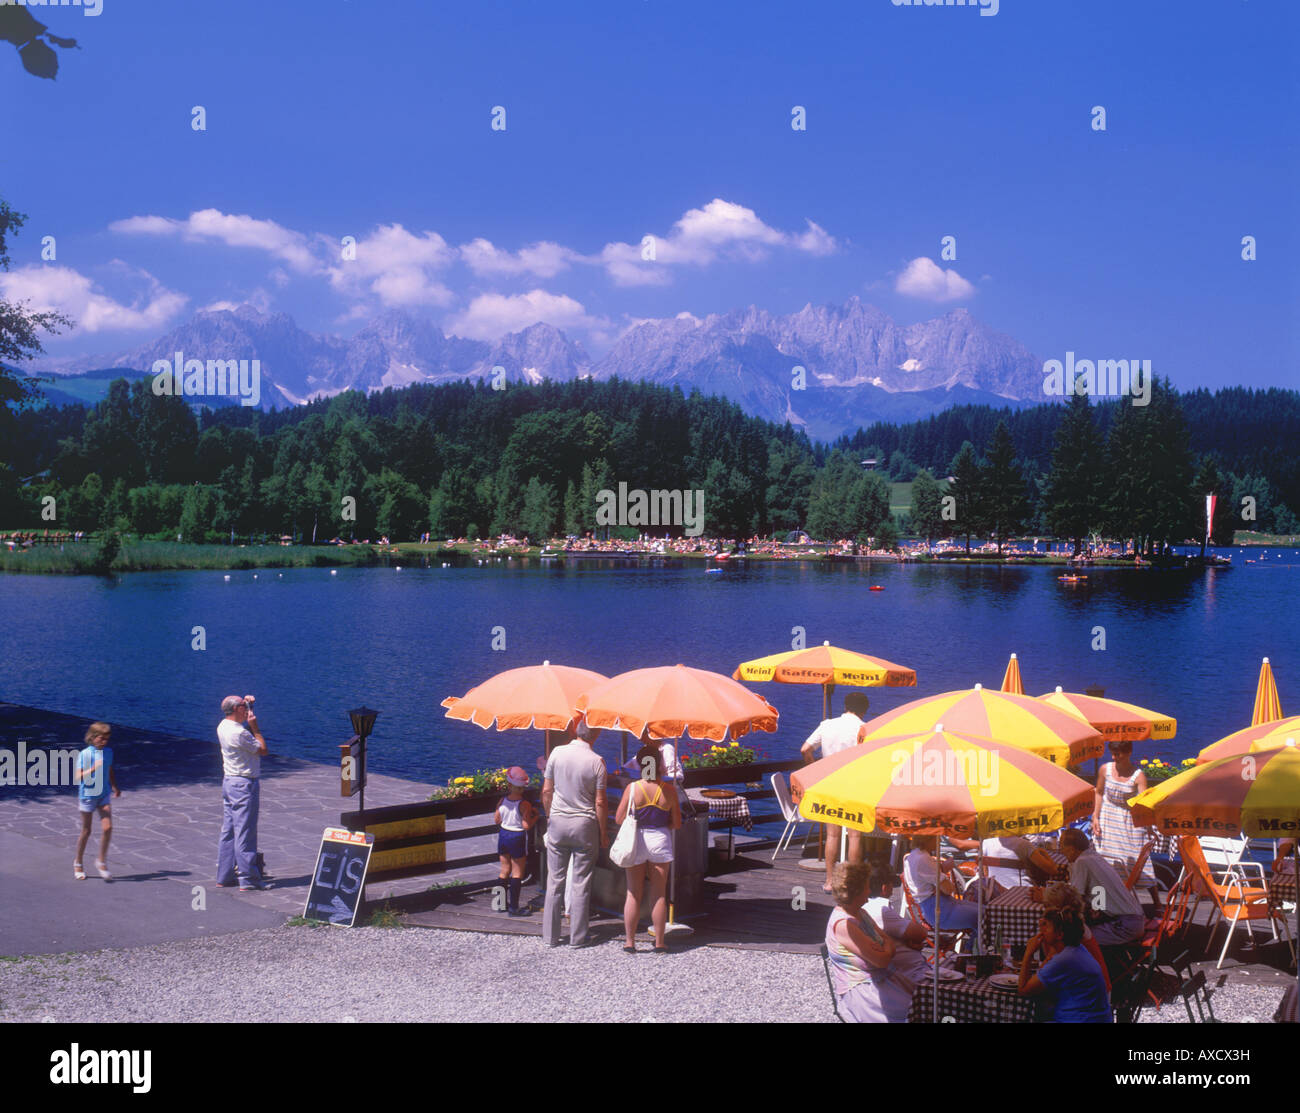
[[938, 911], [827, 689]]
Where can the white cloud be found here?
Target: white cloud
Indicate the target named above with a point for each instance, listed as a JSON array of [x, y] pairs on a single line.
[[543, 260], [924, 278], [397, 267], [491, 316], [720, 230], [214, 226], [68, 291]]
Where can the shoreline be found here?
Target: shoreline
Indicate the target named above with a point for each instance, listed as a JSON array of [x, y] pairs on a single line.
[[167, 556]]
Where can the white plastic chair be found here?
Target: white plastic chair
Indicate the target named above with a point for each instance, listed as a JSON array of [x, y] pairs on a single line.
[[790, 811], [1224, 855]]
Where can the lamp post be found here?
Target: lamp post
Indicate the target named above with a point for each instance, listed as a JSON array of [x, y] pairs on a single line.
[[363, 722]]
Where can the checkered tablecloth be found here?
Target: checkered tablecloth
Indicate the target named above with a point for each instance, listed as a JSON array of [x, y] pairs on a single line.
[[968, 1002], [1015, 914], [1281, 887], [734, 808]]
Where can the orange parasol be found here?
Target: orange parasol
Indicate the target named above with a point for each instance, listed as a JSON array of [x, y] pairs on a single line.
[[672, 701], [540, 697], [1011, 678], [1268, 705]]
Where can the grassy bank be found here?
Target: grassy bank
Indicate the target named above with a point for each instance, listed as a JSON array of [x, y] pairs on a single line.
[[1277, 540], [159, 556]]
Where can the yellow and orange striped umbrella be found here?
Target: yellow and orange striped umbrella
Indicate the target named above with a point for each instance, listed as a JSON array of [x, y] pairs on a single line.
[[670, 701], [1251, 794], [1019, 721], [940, 781], [1268, 705], [1115, 719], [1011, 681], [1253, 740], [826, 665]]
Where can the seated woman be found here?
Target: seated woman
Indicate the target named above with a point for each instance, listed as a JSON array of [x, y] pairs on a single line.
[[1070, 977], [1061, 895], [870, 982], [921, 875]]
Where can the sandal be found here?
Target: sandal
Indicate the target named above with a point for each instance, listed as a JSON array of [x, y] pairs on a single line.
[[629, 950], [78, 871], [103, 871]]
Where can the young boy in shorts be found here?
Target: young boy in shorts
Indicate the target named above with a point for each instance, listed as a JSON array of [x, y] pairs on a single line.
[[94, 773]]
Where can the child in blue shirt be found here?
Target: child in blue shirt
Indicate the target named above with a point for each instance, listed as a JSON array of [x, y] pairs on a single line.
[[94, 773]]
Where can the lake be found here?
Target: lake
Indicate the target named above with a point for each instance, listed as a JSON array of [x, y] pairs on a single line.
[[311, 644]]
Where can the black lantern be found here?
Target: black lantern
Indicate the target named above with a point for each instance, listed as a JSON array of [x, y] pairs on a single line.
[[363, 722]]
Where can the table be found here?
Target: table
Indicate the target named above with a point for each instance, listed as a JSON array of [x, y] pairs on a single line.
[[730, 808], [971, 1002], [1015, 913]]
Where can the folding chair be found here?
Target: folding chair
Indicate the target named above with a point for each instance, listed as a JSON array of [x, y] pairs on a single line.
[[949, 941], [1193, 989], [1225, 856], [1234, 902], [790, 812], [830, 981]]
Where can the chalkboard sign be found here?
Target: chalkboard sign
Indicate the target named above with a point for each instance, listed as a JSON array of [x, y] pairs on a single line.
[[339, 877]]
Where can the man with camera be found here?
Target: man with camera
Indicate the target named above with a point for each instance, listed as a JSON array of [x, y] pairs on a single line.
[[242, 748]]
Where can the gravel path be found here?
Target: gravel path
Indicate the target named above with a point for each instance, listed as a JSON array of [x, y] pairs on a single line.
[[370, 974], [307, 973]]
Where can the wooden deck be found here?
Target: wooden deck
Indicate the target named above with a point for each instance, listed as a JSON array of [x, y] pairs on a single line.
[[753, 905]]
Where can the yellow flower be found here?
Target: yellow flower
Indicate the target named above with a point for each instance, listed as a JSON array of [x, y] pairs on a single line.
[[735, 743], [1143, 762]]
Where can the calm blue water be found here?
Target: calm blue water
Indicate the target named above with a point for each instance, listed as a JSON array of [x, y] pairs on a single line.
[[310, 644]]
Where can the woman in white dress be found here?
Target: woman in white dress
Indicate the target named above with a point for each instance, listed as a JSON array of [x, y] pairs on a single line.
[[1114, 834]]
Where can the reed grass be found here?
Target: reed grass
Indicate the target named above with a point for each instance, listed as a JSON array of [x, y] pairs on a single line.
[[161, 556]]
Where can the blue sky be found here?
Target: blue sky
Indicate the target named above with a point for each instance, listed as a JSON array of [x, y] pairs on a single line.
[[629, 118]]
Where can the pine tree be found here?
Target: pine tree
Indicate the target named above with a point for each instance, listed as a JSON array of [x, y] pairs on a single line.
[[1074, 484], [1005, 492], [927, 506], [967, 489]]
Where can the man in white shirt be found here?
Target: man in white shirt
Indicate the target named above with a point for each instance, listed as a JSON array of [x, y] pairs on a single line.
[[242, 748], [834, 736]]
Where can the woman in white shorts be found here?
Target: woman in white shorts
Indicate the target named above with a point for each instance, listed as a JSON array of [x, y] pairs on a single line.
[[653, 801]]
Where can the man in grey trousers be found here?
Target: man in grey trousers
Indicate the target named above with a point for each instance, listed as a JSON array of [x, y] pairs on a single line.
[[573, 794]]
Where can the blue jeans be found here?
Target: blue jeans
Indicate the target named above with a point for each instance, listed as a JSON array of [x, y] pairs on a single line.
[[953, 915], [238, 844]]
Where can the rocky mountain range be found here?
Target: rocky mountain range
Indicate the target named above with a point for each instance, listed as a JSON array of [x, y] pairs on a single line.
[[858, 365]]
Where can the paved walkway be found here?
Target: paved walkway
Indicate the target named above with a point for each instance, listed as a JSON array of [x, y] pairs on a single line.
[[164, 845]]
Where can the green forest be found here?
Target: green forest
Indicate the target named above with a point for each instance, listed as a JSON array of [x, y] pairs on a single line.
[[464, 460]]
